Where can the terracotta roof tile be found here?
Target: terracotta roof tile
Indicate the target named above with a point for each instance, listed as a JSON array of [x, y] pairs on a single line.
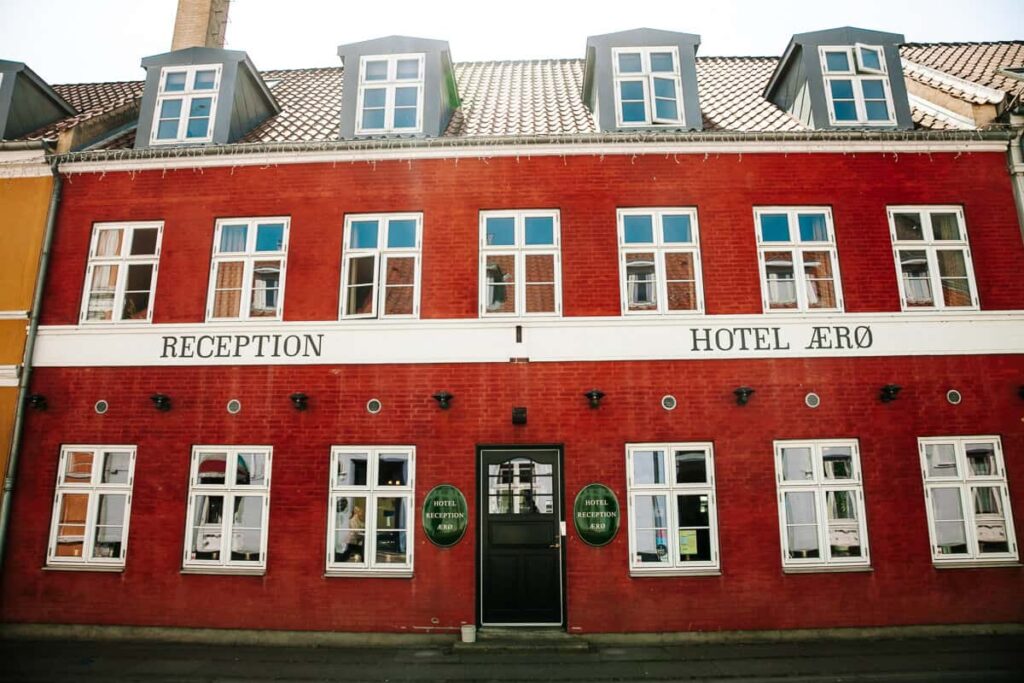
[[90, 100], [977, 63]]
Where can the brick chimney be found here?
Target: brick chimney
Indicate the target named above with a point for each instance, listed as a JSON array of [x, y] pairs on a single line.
[[200, 23]]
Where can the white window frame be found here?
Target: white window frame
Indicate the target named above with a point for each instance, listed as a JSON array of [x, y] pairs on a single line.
[[659, 247], [249, 257], [520, 250], [122, 262], [857, 74], [226, 565], [371, 491], [94, 488], [798, 248], [646, 77], [381, 254], [670, 490], [964, 482], [819, 485], [186, 96], [390, 84], [930, 246]]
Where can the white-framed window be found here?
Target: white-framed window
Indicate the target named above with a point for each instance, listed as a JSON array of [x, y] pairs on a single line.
[[968, 503], [673, 519], [933, 258], [821, 505], [857, 85], [390, 94], [380, 272], [120, 279], [659, 261], [228, 509], [186, 104], [648, 88], [91, 507], [370, 510], [247, 271], [520, 269], [797, 259]]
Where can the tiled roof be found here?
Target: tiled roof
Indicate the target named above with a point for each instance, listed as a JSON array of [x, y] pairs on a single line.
[[543, 97]]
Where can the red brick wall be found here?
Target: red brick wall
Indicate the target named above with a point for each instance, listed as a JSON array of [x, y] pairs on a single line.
[[587, 190], [752, 592]]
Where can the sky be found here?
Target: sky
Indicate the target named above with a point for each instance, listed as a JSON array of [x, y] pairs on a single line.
[[76, 41]]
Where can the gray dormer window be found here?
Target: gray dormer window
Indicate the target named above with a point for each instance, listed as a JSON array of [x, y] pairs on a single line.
[[648, 89], [856, 85], [186, 104], [390, 94]]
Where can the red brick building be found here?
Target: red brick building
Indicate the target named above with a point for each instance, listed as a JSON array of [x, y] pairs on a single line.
[[771, 304]]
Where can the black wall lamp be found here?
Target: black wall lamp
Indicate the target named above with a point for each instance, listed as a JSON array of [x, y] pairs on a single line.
[[161, 401], [743, 395], [888, 392], [299, 400], [37, 402], [444, 399], [594, 397], [1020, 391], [519, 416]]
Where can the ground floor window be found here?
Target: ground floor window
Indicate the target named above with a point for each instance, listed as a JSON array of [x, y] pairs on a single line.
[[370, 512], [673, 526]]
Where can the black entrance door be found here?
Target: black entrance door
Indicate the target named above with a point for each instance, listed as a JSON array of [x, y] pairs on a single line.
[[520, 507]]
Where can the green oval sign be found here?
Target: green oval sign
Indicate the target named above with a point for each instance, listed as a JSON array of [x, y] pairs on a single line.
[[596, 514], [445, 515]]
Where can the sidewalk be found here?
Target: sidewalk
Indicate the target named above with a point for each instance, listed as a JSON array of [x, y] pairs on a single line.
[[970, 658]]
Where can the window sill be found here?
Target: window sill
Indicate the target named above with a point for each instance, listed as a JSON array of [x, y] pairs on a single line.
[[640, 574], [118, 569], [827, 569], [367, 574], [977, 564], [228, 571]]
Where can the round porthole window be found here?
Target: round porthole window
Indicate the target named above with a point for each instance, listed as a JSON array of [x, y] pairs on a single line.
[[101, 407], [812, 400], [668, 402], [954, 397], [234, 406], [373, 406]]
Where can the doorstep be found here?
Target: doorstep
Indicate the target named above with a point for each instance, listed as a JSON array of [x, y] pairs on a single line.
[[513, 639]]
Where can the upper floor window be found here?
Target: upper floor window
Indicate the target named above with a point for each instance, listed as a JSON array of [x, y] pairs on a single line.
[[121, 276], [519, 263], [390, 94], [797, 258], [648, 89], [185, 104], [381, 267], [659, 261], [248, 268], [857, 85], [89, 528], [933, 259], [969, 516]]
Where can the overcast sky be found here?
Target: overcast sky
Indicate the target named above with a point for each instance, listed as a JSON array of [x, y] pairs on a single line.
[[101, 40]]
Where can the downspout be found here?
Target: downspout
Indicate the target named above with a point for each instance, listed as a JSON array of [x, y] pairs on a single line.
[[26, 366], [1016, 164]]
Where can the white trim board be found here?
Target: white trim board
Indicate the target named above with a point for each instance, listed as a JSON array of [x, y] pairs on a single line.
[[9, 375], [496, 149], [692, 337], [13, 315]]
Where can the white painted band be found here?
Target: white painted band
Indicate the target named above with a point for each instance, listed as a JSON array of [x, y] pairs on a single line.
[[9, 375]]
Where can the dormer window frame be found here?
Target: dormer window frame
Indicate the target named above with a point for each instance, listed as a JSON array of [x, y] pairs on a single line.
[[391, 84], [186, 96], [857, 73], [647, 77]]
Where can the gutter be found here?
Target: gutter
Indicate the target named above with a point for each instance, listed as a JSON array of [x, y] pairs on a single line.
[[30, 342], [23, 145]]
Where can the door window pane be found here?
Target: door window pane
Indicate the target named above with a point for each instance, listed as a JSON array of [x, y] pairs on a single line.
[[648, 467]]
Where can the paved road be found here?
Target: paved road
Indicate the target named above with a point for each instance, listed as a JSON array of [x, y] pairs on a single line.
[[973, 658]]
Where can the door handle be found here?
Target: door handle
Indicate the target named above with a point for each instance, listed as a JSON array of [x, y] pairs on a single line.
[[556, 544]]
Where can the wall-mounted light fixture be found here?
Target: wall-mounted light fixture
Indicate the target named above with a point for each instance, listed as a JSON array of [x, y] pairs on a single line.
[[444, 399], [594, 397], [1020, 391], [161, 401], [299, 400], [37, 402], [743, 395], [888, 392], [519, 416]]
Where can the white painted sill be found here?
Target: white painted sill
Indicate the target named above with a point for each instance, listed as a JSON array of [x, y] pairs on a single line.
[[978, 565], [640, 574], [225, 571], [827, 570], [109, 569], [367, 574]]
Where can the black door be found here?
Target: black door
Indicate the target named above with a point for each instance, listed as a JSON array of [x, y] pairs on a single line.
[[520, 507]]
